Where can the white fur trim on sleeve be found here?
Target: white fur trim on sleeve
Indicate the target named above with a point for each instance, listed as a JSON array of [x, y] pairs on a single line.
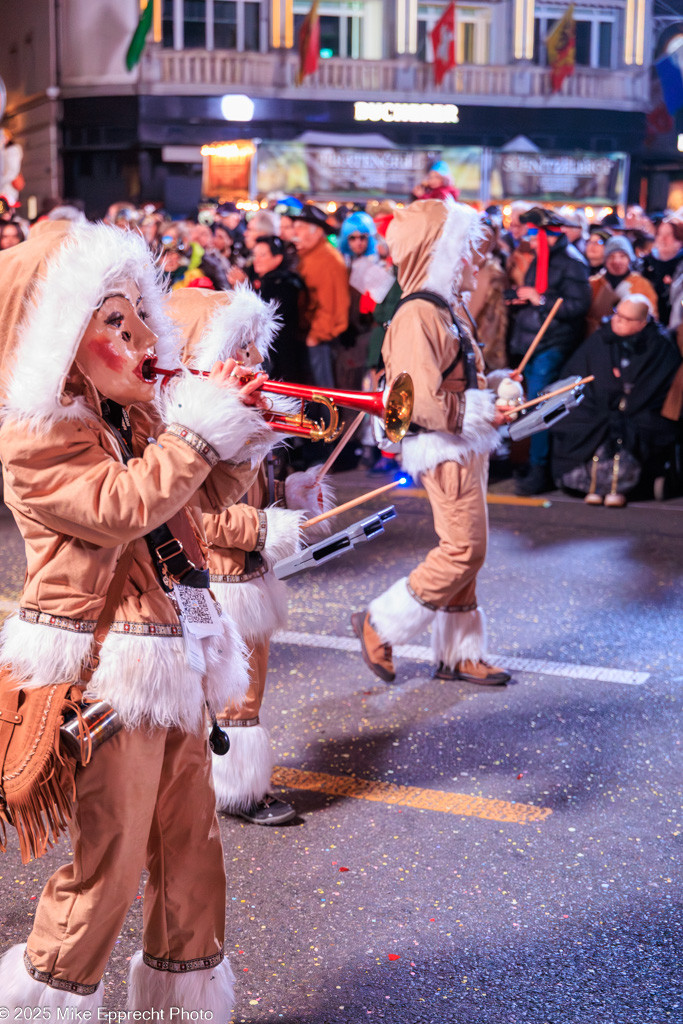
[[303, 491], [236, 431], [283, 536], [478, 436]]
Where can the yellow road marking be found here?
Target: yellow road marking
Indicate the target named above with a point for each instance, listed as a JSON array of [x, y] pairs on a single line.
[[410, 796], [491, 499]]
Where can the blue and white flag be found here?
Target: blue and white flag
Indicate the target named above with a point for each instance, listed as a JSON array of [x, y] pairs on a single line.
[[670, 71]]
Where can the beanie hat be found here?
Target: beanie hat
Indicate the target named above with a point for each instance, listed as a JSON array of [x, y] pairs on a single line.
[[620, 244]]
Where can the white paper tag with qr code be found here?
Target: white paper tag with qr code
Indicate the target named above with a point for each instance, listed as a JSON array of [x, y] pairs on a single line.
[[194, 652], [199, 611]]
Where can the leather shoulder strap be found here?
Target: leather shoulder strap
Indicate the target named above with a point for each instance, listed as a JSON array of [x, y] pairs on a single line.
[[465, 345], [106, 616]]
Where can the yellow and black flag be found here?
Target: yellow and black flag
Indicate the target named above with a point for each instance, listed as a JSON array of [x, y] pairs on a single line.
[[561, 47]]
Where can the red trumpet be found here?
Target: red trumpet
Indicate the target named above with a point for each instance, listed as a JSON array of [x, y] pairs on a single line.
[[395, 412]]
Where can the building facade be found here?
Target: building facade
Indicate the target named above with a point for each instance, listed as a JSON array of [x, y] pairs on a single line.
[[221, 70]]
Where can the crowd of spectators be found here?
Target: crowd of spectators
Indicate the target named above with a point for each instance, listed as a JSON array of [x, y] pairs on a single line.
[[330, 273]]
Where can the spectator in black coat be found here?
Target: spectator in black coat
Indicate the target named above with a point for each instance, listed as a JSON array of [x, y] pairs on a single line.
[[634, 362], [558, 270], [273, 279]]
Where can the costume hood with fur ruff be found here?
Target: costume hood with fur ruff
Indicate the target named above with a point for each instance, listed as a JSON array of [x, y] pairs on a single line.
[[218, 325], [429, 240], [50, 286]]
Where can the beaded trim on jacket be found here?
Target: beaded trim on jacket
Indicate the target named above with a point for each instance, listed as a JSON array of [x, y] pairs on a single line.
[[88, 625], [257, 574], [197, 443]]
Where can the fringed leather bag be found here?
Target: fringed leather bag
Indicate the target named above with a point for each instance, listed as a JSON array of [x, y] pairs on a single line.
[[37, 774]]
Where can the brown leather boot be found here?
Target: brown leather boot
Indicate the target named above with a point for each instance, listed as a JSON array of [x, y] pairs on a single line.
[[376, 654], [479, 672]]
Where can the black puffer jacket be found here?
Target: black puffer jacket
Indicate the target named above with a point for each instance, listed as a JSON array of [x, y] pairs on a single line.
[[567, 277]]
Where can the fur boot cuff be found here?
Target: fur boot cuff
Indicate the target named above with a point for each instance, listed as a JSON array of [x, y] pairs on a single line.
[[19, 990], [210, 989], [459, 636], [397, 615], [243, 774]]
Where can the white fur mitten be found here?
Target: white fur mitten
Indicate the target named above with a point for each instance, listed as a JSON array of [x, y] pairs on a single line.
[[304, 491]]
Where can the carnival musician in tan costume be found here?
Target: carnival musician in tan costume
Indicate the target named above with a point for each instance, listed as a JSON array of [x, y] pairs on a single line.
[[244, 542], [91, 466], [433, 243]]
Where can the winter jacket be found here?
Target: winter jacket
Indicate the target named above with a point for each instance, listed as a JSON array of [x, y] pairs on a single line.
[[77, 504], [567, 278], [605, 297], [324, 273]]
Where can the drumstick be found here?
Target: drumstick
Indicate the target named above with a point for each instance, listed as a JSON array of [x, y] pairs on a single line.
[[351, 504], [534, 344], [336, 452], [550, 394]]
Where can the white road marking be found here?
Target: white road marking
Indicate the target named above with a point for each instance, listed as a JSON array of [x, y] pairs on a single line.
[[418, 653], [414, 652]]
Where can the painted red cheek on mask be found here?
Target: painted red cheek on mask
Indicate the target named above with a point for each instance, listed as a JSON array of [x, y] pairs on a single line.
[[105, 351]]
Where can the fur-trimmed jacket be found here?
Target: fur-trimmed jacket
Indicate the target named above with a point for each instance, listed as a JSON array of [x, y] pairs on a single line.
[[428, 241], [78, 504]]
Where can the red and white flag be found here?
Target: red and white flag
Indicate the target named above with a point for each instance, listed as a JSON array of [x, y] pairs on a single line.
[[443, 42]]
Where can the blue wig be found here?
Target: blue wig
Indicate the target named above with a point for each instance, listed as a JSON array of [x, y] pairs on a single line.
[[358, 224]]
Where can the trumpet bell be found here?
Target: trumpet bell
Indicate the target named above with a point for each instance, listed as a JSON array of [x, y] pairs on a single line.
[[399, 407]]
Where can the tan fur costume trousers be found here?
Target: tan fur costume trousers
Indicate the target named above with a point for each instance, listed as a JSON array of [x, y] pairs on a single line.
[[447, 577], [235, 714], [145, 800]]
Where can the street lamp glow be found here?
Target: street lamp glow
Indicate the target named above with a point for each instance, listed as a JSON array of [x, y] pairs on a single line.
[[237, 108]]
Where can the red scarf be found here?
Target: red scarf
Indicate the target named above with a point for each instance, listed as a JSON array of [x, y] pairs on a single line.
[[542, 257]]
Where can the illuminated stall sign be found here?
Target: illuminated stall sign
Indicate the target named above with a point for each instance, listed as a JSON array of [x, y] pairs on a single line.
[[226, 168], [345, 172], [547, 177]]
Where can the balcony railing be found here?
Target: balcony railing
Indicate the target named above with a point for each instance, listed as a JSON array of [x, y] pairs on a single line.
[[200, 71]]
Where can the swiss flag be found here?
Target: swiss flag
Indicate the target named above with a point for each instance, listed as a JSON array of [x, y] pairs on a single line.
[[443, 41]]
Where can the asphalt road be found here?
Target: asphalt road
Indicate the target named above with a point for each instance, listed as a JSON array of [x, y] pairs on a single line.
[[462, 855]]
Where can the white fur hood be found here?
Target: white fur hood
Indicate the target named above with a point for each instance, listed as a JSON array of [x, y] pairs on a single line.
[[50, 292], [220, 325], [429, 240]]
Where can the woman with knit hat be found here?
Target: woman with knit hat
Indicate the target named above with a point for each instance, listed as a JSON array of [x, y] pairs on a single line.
[[95, 470], [244, 542], [616, 281]]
